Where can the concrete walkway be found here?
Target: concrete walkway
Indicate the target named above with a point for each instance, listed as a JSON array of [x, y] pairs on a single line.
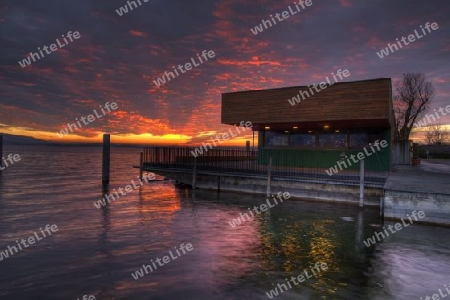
[[425, 187], [432, 176]]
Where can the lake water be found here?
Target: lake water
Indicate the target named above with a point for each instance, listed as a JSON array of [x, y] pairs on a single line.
[[95, 251]]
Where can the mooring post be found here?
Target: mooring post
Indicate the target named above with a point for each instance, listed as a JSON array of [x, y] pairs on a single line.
[[106, 158], [194, 174], [361, 183], [141, 165], [359, 230], [269, 176], [1, 152]]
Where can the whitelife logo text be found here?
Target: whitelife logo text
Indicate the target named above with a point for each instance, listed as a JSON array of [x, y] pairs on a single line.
[[12, 159], [187, 67], [161, 262], [263, 207], [340, 164], [411, 38], [380, 236], [31, 240], [300, 278], [222, 136], [281, 17], [323, 85], [124, 9], [27, 61], [86, 120]]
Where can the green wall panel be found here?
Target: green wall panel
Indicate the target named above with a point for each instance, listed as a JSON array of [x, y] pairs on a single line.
[[323, 158]]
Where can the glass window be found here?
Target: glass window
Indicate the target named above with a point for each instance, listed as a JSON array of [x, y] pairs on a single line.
[[302, 140], [333, 140], [358, 140], [276, 139]]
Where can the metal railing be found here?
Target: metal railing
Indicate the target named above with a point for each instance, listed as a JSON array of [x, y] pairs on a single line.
[[253, 163]]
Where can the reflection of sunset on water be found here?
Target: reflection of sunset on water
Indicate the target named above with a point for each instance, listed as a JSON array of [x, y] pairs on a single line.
[[322, 249], [167, 201], [98, 249]]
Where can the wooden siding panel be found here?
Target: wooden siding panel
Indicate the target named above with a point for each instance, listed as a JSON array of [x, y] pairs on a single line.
[[361, 100]]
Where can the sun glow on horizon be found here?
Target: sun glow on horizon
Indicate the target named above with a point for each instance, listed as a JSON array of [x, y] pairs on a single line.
[[144, 138]]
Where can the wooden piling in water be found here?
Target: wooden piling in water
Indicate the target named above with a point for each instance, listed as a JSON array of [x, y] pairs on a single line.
[[106, 159], [141, 165], [361, 183], [194, 174], [269, 176]]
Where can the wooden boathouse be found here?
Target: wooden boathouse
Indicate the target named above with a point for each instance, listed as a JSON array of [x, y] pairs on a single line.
[[321, 129], [298, 141]]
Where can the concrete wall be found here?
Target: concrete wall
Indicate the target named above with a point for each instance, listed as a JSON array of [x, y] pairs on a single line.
[[401, 154], [333, 192], [397, 204]]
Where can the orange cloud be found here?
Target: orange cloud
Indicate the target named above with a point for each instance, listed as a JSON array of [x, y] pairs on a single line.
[[137, 33]]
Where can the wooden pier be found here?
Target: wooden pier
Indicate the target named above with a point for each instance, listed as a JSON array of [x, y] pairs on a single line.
[[243, 169]]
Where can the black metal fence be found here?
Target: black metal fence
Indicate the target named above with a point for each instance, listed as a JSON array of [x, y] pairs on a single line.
[[249, 162]]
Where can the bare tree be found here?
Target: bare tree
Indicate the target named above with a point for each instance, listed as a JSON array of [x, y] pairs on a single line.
[[436, 134], [429, 136], [411, 100]]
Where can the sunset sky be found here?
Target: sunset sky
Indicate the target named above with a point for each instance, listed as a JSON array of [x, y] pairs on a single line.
[[117, 58]]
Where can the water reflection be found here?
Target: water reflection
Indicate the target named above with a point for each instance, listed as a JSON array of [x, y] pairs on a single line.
[[106, 222], [96, 250]]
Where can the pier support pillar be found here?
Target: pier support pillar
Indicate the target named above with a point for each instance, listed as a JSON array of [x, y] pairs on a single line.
[[269, 176], [361, 183], [106, 158], [194, 174], [359, 231]]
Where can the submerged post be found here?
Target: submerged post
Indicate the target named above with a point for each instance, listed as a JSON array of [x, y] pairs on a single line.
[[106, 158], [269, 175], [361, 183], [194, 174]]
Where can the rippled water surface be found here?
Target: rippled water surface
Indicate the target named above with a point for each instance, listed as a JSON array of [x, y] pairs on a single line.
[[95, 251]]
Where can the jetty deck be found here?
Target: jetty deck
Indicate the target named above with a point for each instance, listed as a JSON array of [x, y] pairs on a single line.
[[245, 170], [246, 163]]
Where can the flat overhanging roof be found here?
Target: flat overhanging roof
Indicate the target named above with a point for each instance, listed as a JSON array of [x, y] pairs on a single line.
[[319, 125], [358, 104]]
